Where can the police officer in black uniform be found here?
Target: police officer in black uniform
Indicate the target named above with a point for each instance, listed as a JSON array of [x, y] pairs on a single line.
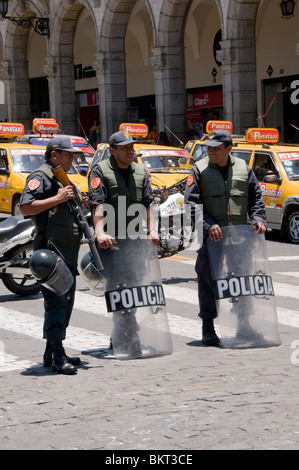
[[229, 192], [46, 201]]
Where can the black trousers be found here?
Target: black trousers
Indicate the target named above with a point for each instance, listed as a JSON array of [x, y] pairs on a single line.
[[206, 297], [58, 310]]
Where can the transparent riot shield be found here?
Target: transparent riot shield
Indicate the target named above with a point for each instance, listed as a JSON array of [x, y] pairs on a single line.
[[135, 299], [243, 289]]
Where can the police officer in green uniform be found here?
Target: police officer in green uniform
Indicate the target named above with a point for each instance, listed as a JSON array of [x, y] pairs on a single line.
[[46, 201], [113, 180], [229, 192]]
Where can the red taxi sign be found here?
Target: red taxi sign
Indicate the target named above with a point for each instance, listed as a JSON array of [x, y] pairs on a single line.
[[11, 130], [262, 135], [136, 130], [45, 126], [219, 126]]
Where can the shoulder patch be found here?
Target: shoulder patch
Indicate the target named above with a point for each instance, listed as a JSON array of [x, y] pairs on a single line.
[[33, 184], [190, 180], [95, 183]]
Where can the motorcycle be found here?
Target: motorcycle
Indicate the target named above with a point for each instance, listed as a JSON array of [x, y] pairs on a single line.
[[169, 213], [16, 248]]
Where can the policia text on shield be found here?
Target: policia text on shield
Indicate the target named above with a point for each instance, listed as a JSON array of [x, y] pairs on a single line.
[[58, 231]]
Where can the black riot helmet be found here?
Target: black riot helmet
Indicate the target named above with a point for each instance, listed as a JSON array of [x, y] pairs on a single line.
[[42, 263], [91, 275], [50, 270]]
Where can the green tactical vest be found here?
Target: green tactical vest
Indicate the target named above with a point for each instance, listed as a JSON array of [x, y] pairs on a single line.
[[121, 197], [225, 201], [62, 228]]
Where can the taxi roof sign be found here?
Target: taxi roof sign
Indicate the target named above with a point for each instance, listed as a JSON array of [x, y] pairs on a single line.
[[262, 135], [219, 126], [45, 126], [11, 130], [136, 130]]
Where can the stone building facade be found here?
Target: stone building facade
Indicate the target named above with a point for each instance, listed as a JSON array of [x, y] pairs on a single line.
[[150, 59]]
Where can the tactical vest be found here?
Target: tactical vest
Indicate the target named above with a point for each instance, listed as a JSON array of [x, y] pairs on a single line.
[[121, 196], [225, 201], [60, 227]]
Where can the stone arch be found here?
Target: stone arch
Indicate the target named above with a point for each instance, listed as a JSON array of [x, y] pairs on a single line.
[[139, 42], [238, 57], [3, 112], [111, 66], [60, 63], [169, 64], [16, 78]]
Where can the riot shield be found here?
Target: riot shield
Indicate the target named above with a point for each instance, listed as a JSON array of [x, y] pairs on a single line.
[[135, 299], [243, 289]]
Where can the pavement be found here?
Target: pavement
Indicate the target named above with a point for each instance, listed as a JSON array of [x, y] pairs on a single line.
[[197, 398]]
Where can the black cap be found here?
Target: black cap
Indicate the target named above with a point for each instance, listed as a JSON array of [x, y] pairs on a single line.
[[218, 137], [62, 143], [121, 138]]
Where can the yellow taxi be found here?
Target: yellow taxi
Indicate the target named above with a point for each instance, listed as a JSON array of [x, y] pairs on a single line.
[[197, 147], [17, 161], [43, 130], [276, 166], [167, 165]]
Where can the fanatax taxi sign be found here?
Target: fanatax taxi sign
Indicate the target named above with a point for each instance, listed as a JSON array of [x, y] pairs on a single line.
[[136, 130], [45, 126], [262, 135], [11, 130], [219, 125]]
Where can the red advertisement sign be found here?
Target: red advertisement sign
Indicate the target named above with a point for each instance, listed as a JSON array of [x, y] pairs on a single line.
[[136, 130], [208, 99], [262, 135], [11, 129], [45, 126], [219, 125]]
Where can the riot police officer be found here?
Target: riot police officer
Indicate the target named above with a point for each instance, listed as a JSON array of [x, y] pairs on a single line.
[[111, 181], [46, 201], [229, 192]]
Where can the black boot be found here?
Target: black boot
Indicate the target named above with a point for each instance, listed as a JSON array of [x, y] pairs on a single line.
[[209, 336], [48, 357], [60, 361]]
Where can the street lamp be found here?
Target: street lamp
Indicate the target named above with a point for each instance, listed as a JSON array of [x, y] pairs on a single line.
[[39, 25], [287, 8]]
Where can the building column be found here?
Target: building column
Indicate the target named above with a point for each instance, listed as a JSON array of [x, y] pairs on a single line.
[[239, 82], [110, 68], [17, 91], [170, 89], [6, 78], [50, 69]]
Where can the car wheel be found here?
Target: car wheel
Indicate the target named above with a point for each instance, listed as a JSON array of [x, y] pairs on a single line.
[[16, 207], [293, 227]]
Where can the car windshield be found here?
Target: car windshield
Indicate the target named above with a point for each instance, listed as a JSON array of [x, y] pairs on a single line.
[[82, 158], [200, 151], [27, 160], [165, 161], [290, 161]]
